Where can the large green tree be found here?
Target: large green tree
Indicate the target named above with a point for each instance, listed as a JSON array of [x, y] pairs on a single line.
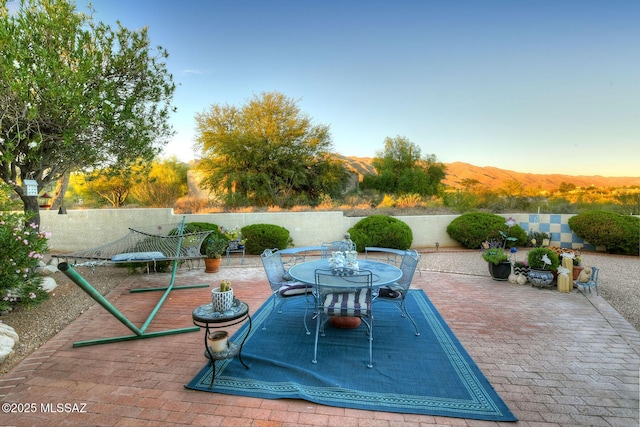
[[76, 94], [267, 152], [401, 169]]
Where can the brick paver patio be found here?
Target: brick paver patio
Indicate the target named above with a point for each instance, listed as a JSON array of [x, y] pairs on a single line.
[[556, 359]]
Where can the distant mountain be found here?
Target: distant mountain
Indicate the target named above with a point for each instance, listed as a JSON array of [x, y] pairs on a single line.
[[494, 178]]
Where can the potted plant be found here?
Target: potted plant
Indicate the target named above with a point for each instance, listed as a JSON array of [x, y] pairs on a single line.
[[495, 253], [542, 262], [235, 238], [222, 296], [216, 246]]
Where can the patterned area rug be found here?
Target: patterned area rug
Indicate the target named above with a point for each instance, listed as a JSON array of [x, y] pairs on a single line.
[[430, 374]]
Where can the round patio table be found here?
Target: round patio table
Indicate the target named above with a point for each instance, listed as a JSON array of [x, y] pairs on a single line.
[[383, 275]]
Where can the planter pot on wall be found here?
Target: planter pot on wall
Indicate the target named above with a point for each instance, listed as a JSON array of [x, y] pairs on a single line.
[[500, 271]]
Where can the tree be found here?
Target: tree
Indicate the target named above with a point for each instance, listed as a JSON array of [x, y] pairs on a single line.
[[401, 169], [76, 94], [114, 185], [267, 152], [165, 183]]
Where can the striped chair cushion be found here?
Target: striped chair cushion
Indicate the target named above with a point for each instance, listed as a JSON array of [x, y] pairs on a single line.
[[289, 289], [353, 304]]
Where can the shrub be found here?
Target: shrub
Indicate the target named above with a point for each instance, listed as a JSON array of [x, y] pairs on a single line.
[[535, 259], [21, 248], [620, 234], [383, 231], [263, 236], [471, 229]]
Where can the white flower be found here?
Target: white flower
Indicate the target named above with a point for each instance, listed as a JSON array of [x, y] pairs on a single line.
[[33, 144], [16, 64], [562, 270], [545, 259]]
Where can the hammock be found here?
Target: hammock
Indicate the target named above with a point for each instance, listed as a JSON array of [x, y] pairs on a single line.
[[159, 243]]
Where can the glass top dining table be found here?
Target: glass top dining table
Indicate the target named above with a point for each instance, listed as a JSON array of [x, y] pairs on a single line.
[[383, 274]]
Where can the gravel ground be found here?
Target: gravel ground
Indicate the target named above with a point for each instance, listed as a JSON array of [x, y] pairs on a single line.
[[618, 284]]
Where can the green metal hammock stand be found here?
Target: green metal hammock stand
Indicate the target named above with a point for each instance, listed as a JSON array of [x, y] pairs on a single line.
[[139, 333]]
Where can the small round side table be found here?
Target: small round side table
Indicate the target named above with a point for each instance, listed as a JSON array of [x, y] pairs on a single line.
[[205, 317]]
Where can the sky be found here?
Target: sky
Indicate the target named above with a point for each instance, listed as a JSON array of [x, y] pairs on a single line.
[[531, 86]]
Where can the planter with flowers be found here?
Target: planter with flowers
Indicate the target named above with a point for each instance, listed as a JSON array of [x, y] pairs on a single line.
[[542, 263], [236, 242], [498, 262], [495, 252]]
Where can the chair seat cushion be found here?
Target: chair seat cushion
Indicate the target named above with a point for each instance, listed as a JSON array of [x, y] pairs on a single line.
[[353, 304], [289, 289]]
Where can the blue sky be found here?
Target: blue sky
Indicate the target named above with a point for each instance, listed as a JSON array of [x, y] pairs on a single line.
[[533, 86]]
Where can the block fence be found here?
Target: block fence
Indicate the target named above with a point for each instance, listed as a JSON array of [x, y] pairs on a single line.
[[84, 229]]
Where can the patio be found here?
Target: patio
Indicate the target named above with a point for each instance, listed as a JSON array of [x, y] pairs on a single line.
[[556, 359]]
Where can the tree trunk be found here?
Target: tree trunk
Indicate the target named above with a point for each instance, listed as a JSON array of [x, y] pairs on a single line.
[[31, 205], [63, 185]]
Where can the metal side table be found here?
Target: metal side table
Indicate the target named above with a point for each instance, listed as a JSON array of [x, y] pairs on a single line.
[[205, 317]]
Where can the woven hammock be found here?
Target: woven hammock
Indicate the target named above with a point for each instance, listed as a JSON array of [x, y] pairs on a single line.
[[157, 243]]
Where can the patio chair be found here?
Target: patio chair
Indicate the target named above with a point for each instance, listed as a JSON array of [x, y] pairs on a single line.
[[346, 293], [282, 286], [397, 293], [591, 283]]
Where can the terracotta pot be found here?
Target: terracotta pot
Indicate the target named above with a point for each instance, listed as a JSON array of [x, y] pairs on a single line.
[[212, 265], [576, 271], [344, 322]]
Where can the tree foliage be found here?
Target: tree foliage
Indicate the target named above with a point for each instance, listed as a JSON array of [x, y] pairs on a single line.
[[165, 183], [267, 152], [76, 94], [401, 170]]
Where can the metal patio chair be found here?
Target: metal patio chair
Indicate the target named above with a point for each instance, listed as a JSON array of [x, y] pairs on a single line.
[[346, 293], [283, 288], [397, 293]]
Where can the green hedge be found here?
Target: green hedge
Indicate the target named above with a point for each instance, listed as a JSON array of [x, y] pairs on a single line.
[[471, 229], [382, 231], [264, 236], [619, 234]]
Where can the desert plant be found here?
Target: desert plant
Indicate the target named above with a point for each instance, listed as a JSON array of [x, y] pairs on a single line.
[[619, 234], [543, 259], [381, 230], [263, 236]]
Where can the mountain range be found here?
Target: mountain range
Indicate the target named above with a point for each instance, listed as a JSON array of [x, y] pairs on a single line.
[[493, 178]]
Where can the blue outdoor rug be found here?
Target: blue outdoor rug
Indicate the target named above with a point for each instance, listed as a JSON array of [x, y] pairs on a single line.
[[430, 374]]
